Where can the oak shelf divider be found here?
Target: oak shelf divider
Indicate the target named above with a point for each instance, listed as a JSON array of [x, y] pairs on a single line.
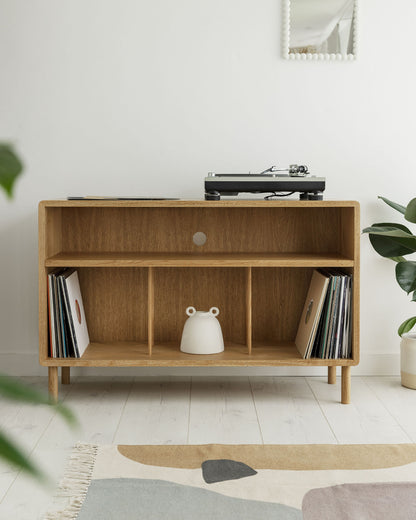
[[139, 269]]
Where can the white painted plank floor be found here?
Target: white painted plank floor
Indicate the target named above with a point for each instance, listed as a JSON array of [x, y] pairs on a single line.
[[197, 410]]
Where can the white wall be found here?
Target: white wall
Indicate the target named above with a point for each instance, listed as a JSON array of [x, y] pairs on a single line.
[[146, 96]]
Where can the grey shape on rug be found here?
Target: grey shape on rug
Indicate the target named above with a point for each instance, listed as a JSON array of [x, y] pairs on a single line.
[[137, 499], [221, 470], [373, 501]]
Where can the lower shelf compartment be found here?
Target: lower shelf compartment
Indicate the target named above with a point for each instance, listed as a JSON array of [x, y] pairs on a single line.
[[127, 354]]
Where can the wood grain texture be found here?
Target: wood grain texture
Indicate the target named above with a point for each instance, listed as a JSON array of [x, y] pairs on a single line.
[[347, 230], [133, 259], [288, 412], [66, 375], [216, 409], [356, 231], [115, 303], [278, 300], [150, 309], [366, 419], [53, 383], [399, 402], [345, 385], [332, 375], [203, 288], [228, 229], [249, 307], [125, 354], [52, 231], [156, 412], [43, 287], [198, 203], [139, 269]]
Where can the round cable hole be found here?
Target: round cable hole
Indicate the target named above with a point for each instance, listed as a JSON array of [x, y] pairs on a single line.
[[199, 238]]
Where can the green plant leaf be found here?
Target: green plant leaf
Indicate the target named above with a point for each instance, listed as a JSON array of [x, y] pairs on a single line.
[[410, 214], [11, 453], [10, 168], [389, 229], [13, 389], [406, 276], [398, 259], [394, 205], [391, 240], [407, 326], [414, 297]]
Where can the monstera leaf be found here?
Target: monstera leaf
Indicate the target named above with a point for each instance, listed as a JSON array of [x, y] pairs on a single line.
[[10, 168]]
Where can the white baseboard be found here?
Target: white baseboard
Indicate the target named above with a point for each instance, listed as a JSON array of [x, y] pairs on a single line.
[[371, 364]]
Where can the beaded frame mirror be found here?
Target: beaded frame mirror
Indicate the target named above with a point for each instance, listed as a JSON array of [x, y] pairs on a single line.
[[320, 29]]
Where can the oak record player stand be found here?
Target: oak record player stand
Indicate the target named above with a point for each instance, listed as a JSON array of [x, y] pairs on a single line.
[[139, 269]]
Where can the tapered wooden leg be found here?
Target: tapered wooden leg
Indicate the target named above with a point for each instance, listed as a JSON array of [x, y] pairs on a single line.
[[53, 383], [332, 375], [345, 385], [65, 375]]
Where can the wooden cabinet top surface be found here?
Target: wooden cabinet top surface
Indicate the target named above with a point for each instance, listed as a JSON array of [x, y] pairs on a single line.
[[195, 203]]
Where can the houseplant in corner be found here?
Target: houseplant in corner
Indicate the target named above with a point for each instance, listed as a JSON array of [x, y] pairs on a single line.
[[10, 168], [395, 241]]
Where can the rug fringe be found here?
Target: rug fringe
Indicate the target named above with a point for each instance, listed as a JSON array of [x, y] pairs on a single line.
[[75, 483]]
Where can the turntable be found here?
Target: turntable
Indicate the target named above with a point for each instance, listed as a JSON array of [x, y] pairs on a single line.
[[270, 181]]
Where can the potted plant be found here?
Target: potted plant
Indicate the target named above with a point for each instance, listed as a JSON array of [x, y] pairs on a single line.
[[10, 168], [396, 241]]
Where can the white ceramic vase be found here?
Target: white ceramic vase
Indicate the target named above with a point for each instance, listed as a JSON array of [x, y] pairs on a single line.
[[202, 332], [408, 360]]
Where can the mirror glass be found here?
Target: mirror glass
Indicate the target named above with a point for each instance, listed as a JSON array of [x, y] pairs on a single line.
[[323, 27]]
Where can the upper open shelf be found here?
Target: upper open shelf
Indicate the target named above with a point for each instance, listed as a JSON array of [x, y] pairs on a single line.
[[132, 259], [263, 234]]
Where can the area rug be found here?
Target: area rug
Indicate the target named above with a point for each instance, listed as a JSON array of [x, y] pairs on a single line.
[[227, 482]]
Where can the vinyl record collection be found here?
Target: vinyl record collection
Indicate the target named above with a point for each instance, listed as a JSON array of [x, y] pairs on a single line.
[[324, 330], [68, 332]]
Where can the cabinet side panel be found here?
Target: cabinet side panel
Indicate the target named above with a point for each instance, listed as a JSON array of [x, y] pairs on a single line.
[[278, 298], [49, 243], [351, 234], [42, 286], [356, 225], [53, 231], [347, 232], [202, 288], [115, 302]]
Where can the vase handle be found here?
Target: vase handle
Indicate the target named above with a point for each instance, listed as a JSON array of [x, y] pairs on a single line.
[[190, 311]]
